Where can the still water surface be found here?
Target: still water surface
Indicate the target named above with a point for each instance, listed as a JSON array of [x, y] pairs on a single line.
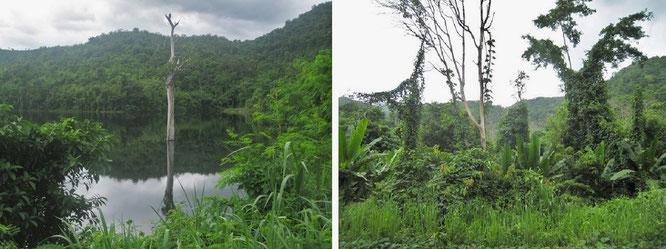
[[135, 181]]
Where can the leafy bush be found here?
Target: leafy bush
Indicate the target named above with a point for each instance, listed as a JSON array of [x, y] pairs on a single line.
[[288, 179], [462, 176], [409, 172], [443, 126], [41, 166]]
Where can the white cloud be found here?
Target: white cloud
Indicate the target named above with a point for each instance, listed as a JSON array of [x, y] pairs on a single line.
[[34, 23]]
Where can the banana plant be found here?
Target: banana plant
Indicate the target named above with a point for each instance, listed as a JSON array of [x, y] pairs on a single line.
[[645, 162], [359, 166], [352, 155], [381, 169], [531, 156]]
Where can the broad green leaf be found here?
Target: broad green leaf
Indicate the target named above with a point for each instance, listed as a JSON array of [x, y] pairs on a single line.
[[622, 174]]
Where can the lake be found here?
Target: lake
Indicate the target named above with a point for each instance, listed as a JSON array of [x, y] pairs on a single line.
[[136, 180]]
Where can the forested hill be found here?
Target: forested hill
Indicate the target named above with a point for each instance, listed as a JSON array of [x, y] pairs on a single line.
[[125, 70], [651, 77]]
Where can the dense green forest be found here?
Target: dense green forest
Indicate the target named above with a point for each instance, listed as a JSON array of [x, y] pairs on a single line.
[[586, 170], [282, 166], [124, 71]]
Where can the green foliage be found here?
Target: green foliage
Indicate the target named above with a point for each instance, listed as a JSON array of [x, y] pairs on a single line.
[[644, 164], [588, 108], [462, 176], [638, 117], [124, 71], [513, 123], [655, 124], [555, 125], [409, 173], [561, 17], [352, 155], [371, 219], [288, 179], [359, 166], [506, 159], [535, 156], [41, 166], [300, 116], [379, 126], [648, 75], [442, 126]]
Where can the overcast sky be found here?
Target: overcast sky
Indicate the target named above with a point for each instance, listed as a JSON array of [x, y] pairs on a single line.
[[372, 51], [30, 24]]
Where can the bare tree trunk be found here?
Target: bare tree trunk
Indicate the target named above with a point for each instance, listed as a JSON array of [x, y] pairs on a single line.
[[169, 84]]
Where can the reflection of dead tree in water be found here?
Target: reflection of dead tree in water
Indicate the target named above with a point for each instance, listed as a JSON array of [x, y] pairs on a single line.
[[406, 100], [167, 201]]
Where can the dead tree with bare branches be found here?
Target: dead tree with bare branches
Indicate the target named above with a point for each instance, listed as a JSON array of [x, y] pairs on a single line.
[[445, 28], [175, 65]]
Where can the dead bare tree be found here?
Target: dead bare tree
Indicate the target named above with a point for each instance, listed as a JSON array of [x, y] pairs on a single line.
[[445, 28], [175, 66]]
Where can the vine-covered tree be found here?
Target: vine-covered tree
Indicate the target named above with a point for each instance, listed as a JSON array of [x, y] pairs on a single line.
[[406, 100], [444, 26], [638, 117], [585, 88]]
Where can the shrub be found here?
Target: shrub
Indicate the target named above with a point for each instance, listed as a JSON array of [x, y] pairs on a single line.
[[41, 166]]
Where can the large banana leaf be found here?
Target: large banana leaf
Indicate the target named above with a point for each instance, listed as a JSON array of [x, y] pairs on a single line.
[[353, 155], [622, 174]]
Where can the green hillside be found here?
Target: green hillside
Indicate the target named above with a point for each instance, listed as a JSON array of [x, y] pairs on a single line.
[[651, 77], [125, 70]]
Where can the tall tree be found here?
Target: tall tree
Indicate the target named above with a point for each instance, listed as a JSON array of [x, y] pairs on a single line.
[[638, 117], [175, 66], [445, 28], [585, 88]]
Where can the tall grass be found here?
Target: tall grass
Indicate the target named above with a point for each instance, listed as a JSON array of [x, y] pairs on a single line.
[[374, 220], [620, 221], [544, 223], [371, 219]]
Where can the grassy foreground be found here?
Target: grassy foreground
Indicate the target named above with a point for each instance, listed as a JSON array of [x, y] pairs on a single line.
[[621, 222]]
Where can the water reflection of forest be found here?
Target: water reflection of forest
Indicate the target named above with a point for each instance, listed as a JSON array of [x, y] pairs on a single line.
[[138, 152]]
